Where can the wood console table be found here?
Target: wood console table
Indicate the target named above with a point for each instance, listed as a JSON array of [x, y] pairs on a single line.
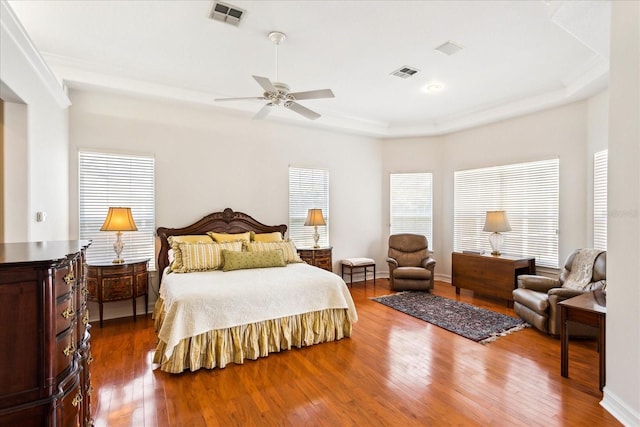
[[495, 276], [591, 309], [108, 282]]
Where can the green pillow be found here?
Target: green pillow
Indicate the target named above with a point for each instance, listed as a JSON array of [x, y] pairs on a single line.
[[234, 260]]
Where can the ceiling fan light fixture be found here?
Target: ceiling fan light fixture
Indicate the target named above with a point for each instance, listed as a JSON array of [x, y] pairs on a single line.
[[278, 94]]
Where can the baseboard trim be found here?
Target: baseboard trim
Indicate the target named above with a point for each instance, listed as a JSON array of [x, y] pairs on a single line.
[[619, 409]]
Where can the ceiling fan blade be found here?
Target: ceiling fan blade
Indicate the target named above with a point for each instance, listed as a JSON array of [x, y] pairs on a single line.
[[312, 115], [264, 111], [266, 84], [239, 99], [313, 94]]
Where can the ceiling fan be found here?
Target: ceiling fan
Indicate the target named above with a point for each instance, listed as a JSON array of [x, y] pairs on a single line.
[[277, 93]]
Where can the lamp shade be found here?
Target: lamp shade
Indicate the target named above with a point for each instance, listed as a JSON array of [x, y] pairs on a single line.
[[119, 219], [496, 222], [314, 217]]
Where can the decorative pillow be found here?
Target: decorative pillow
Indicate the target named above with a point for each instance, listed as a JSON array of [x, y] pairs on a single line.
[[204, 256], [241, 260], [276, 236], [174, 241], [287, 247], [226, 237]]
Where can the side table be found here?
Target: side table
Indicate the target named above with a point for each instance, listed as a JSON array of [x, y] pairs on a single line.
[[490, 275], [591, 309], [320, 257], [108, 282]]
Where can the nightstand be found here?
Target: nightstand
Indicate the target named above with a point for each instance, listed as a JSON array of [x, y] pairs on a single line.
[[320, 257], [108, 282]]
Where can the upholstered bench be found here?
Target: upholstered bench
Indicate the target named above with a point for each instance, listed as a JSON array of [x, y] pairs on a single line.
[[350, 264]]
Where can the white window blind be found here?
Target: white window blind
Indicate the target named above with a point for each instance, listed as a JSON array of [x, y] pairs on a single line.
[[600, 199], [528, 192], [308, 189], [120, 181], [411, 210]]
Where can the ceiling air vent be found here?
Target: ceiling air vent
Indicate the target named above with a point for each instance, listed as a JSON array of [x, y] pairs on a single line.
[[226, 13], [404, 72], [449, 48]]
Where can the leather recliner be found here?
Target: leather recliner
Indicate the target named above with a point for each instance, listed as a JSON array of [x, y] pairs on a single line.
[[536, 298], [410, 266]]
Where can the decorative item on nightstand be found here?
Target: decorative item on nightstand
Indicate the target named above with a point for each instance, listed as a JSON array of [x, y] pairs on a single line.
[[315, 218], [496, 222], [119, 220]]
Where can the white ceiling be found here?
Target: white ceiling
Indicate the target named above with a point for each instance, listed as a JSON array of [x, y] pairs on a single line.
[[518, 56]]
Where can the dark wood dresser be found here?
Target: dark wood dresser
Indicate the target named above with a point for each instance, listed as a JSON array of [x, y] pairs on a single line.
[[320, 257], [44, 335]]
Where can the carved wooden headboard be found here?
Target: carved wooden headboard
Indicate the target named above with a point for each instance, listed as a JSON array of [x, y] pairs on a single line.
[[226, 221]]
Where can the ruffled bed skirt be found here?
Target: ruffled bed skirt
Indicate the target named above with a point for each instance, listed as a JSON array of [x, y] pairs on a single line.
[[217, 348]]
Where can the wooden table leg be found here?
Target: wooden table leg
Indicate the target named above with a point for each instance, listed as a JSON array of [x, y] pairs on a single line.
[[564, 343], [603, 346]]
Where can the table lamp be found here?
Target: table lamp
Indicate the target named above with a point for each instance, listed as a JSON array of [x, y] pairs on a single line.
[[119, 220], [315, 218], [496, 222]]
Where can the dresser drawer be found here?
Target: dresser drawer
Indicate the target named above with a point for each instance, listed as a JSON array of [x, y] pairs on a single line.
[[65, 350], [64, 279], [68, 414], [117, 288], [324, 263], [64, 314]]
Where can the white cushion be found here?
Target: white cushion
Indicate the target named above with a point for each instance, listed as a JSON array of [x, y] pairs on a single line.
[[355, 262]]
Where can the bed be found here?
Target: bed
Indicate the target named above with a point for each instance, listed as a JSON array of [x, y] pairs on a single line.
[[208, 319]]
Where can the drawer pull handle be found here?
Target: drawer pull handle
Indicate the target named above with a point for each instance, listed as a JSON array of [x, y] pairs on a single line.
[[76, 400], [70, 279], [68, 351], [67, 312]]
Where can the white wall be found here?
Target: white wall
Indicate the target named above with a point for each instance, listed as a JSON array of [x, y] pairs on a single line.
[[15, 176], [207, 161], [622, 392], [557, 133], [597, 140], [44, 168]]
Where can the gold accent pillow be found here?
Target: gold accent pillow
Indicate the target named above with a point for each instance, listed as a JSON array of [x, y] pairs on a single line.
[[287, 247], [226, 237], [174, 242], [241, 260], [276, 236], [205, 256]]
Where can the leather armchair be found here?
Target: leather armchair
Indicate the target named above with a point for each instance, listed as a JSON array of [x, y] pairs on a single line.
[[410, 266], [536, 298]]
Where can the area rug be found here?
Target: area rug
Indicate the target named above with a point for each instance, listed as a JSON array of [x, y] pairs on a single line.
[[475, 323]]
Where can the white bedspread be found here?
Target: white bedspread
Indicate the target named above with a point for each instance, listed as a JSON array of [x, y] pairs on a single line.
[[202, 301]]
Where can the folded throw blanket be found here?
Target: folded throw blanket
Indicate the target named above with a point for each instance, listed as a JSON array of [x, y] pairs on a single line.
[[582, 269]]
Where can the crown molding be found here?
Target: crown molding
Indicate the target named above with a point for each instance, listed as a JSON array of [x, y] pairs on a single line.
[[20, 54]]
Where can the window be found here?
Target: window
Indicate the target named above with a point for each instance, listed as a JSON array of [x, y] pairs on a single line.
[[308, 189], [528, 192], [600, 199], [117, 180], [411, 210]]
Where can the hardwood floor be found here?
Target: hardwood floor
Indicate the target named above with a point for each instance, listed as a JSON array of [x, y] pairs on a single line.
[[394, 370]]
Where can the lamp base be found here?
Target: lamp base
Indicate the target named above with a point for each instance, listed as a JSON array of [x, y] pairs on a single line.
[[118, 261], [316, 237], [496, 239]]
